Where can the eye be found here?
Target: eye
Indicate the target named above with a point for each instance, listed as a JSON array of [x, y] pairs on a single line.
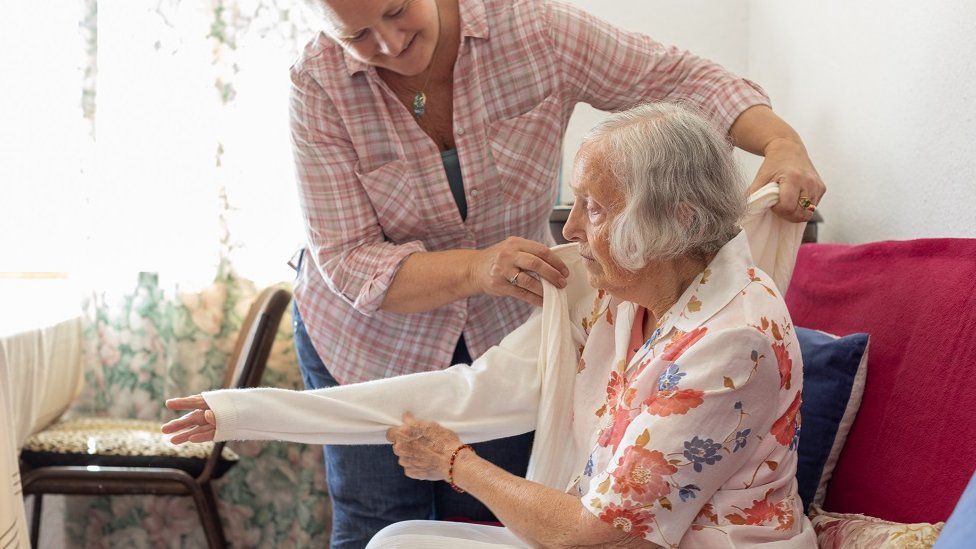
[[593, 210], [398, 12], [358, 37]]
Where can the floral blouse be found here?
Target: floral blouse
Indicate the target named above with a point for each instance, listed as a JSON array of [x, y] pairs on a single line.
[[698, 430]]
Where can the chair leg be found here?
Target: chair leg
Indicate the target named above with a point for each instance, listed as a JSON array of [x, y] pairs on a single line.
[[35, 532], [208, 492], [206, 502]]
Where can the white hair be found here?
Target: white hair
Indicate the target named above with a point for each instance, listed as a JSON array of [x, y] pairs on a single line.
[[683, 195]]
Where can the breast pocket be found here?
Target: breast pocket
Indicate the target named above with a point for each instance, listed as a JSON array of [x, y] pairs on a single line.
[[394, 198], [526, 150]]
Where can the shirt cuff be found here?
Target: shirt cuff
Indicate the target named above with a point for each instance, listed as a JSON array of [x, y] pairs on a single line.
[[370, 297], [225, 414]]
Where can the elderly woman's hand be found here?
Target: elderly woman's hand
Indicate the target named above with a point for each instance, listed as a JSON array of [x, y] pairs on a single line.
[[424, 448], [200, 425], [788, 164]]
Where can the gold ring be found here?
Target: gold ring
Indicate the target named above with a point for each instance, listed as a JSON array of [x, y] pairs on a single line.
[[806, 203], [514, 280]]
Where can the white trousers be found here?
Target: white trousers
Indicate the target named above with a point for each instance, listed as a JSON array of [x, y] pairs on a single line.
[[432, 534]]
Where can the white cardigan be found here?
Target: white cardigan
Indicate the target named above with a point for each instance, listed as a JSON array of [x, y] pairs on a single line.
[[513, 388]]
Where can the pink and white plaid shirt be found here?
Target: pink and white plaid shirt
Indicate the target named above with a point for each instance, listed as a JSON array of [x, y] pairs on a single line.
[[372, 184]]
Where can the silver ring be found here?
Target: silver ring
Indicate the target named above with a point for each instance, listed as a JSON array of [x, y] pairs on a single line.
[[514, 280]]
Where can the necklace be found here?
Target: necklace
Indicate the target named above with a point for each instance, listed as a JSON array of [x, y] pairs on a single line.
[[420, 98]]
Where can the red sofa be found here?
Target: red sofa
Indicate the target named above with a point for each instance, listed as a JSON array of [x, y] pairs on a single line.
[[912, 448]]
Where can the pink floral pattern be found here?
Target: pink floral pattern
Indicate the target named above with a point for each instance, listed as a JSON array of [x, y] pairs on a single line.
[[642, 474], [852, 531], [697, 431], [676, 401], [631, 520]]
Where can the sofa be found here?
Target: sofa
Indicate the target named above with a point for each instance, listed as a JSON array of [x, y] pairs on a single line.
[[911, 449]]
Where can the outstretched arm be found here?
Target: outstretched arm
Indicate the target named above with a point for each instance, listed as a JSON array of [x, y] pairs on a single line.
[[496, 396]]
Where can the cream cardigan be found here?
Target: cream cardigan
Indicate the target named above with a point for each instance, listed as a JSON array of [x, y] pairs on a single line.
[[513, 388]]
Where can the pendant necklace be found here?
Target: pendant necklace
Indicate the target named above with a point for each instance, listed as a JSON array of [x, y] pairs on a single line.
[[420, 98]]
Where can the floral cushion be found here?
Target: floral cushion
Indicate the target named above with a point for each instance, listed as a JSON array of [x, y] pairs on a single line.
[[850, 531], [117, 442]]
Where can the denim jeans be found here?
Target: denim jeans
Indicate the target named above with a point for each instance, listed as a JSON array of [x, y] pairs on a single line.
[[368, 488]]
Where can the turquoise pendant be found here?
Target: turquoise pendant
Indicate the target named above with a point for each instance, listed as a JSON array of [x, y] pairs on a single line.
[[419, 104]]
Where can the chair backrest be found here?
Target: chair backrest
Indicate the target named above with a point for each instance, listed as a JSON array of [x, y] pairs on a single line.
[[250, 356]]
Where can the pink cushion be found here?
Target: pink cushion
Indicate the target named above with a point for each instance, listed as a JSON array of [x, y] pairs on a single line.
[[913, 445]]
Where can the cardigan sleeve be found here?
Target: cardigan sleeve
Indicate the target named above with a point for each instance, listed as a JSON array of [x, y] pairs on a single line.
[[496, 396]]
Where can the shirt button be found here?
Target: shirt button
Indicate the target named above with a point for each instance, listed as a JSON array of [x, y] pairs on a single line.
[[461, 316], [460, 130], [474, 192]]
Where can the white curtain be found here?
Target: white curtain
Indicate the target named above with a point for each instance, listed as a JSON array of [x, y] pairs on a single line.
[[180, 87]]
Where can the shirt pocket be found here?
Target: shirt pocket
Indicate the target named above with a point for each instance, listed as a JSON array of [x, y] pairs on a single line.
[[526, 152], [393, 196]]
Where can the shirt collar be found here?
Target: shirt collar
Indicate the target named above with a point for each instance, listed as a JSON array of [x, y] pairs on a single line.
[[729, 272], [474, 23]]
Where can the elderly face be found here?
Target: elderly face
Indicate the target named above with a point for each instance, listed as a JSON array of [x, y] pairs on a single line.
[[598, 201], [398, 35]]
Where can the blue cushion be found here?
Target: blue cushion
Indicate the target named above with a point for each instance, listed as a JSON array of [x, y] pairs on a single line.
[[830, 383], [959, 531]]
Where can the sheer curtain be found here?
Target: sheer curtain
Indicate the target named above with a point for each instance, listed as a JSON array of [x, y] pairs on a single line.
[[183, 158], [145, 164]]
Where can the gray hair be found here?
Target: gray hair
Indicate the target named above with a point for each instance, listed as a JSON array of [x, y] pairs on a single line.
[[683, 195]]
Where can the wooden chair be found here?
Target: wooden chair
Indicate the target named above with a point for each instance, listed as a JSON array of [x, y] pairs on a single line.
[[134, 457]]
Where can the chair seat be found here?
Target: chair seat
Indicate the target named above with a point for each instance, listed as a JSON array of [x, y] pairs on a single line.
[[114, 442]]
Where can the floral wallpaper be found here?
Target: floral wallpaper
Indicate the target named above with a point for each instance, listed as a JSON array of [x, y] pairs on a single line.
[[146, 345]]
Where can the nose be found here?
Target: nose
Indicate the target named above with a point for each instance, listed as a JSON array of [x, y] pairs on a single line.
[[390, 40], [573, 230]]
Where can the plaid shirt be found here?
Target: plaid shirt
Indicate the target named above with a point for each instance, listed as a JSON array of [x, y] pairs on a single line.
[[372, 185]]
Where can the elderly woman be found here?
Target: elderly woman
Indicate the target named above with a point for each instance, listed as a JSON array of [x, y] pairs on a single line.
[[664, 393]]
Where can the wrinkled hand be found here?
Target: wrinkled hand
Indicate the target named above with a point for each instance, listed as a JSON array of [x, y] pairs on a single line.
[[200, 424], [787, 163], [424, 448], [495, 267]]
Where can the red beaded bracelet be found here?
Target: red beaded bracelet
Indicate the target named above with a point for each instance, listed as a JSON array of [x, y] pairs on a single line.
[[450, 470]]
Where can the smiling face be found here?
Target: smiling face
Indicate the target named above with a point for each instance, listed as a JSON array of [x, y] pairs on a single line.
[[397, 35], [598, 202]]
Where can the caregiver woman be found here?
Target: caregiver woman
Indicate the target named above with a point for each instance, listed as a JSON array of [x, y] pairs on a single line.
[[427, 136]]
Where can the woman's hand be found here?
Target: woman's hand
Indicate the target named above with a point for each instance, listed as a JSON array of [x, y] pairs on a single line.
[[522, 261], [200, 424], [787, 163], [424, 448]]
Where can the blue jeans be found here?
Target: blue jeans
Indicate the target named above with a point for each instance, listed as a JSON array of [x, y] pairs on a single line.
[[368, 488]]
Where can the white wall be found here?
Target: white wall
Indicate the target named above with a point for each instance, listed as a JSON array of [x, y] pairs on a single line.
[[882, 92], [715, 29]]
